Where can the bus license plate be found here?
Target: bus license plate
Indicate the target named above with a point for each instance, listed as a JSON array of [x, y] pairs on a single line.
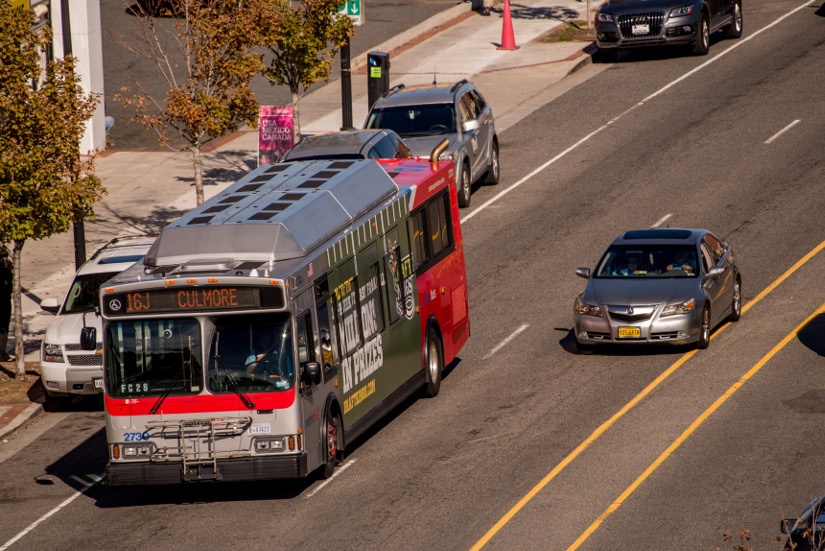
[[641, 29], [98, 381], [629, 332]]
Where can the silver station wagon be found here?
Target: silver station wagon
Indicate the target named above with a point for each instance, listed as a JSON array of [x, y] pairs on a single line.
[[668, 285]]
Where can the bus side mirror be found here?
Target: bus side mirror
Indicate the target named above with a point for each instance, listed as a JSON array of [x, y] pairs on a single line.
[[311, 373], [88, 338]]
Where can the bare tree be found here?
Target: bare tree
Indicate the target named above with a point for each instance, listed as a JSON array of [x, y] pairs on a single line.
[[44, 182], [206, 60], [302, 38]]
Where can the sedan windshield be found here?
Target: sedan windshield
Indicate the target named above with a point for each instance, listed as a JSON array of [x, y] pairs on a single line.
[[648, 261], [418, 120], [82, 296]]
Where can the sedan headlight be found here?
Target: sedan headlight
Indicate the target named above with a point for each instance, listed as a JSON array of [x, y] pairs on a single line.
[[584, 309], [52, 353], [679, 308], [684, 10], [605, 17]]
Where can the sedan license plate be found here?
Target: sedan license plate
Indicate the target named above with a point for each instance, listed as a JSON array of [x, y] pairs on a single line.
[[98, 382], [641, 29], [629, 332]]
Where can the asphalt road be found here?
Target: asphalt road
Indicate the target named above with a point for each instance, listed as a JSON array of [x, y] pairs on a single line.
[[533, 445], [382, 20]]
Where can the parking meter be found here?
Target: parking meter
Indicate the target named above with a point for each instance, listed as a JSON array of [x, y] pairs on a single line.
[[378, 76]]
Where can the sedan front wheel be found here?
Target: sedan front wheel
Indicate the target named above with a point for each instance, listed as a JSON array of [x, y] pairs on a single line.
[[704, 329]]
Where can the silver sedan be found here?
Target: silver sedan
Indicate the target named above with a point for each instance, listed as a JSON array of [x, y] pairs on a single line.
[[665, 285]]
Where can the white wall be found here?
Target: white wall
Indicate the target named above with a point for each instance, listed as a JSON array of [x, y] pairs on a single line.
[[87, 48]]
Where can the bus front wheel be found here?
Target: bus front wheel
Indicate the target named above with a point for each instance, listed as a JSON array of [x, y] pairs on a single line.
[[333, 439]]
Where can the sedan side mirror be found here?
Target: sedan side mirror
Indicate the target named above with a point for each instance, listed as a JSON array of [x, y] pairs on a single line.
[[583, 272], [50, 305], [469, 126], [715, 272], [786, 525]]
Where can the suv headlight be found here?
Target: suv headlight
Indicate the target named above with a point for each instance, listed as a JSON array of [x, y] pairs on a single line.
[[680, 308], [684, 10], [584, 309], [52, 353], [605, 17]]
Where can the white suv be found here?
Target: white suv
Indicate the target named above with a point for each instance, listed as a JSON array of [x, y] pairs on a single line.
[[65, 368]]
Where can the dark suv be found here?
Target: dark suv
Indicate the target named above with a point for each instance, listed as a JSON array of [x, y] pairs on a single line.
[[425, 115], [624, 24]]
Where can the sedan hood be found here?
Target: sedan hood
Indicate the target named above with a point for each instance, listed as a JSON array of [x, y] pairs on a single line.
[[638, 292], [422, 146], [66, 329]]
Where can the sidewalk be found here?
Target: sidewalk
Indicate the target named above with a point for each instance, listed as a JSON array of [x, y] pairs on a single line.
[[147, 190]]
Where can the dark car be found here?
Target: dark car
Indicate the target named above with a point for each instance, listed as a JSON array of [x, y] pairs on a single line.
[[425, 115], [623, 24], [354, 144], [659, 285], [806, 533]]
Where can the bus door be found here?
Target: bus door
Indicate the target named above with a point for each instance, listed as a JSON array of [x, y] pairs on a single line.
[[312, 396]]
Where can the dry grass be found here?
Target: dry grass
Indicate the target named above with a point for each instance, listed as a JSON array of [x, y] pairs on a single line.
[[13, 390], [571, 31]]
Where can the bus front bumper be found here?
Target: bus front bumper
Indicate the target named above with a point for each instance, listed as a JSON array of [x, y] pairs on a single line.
[[126, 473]]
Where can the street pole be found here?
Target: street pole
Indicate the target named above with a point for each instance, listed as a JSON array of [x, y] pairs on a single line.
[[346, 88], [79, 228]]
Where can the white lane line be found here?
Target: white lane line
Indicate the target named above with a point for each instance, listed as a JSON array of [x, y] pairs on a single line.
[[772, 138], [34, 524], [662, 220], [338, 471], [715, 58], [505, 341]]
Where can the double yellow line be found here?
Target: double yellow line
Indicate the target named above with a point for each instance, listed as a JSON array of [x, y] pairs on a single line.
[[638, 398]]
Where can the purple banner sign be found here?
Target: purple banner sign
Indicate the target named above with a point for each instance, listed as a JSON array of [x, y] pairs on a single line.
[[274, 133]]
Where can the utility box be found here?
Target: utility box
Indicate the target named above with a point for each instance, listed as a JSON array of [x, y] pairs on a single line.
[[378, 76]]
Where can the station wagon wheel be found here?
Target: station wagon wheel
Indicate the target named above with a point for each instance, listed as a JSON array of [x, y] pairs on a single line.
[[434, 363], [704, 329], [702, 44], [494, 170], [736, 305], [333, 435], [462, 185], [734, 30]]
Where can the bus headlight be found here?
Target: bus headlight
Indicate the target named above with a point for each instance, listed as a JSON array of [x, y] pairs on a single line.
[[133, 451]]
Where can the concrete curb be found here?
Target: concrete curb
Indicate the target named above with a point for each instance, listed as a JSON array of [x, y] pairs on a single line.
[[27, 414]]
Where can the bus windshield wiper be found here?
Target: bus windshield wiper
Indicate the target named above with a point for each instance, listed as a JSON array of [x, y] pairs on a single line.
[[233, 384], [166, 392]]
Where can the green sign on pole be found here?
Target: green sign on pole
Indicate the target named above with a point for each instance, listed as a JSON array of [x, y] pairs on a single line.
[[353, 10]]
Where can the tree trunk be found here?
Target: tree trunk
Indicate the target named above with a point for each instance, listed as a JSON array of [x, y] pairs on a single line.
[[197, 161], [296, 119], [19, 354]]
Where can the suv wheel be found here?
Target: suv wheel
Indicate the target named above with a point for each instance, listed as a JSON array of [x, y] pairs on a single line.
[[702, 44], [734, 30], [494, 170], [462, 185]]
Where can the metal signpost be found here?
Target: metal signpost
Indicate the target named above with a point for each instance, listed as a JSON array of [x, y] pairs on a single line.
[[352, 9]]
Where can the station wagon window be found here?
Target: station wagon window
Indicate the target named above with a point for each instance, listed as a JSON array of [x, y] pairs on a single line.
[[478, 100]]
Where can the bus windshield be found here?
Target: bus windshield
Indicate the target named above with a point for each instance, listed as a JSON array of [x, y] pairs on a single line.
[[251, 354], [154, 358]]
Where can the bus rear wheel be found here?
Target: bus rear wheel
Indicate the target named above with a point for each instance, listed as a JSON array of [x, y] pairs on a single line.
[[333, 440], [434, 363]]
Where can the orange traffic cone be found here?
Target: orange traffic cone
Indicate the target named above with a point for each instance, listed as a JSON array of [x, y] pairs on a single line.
[[508, 40]]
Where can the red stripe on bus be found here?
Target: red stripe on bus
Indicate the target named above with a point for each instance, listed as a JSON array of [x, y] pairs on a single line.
[[176, 405]]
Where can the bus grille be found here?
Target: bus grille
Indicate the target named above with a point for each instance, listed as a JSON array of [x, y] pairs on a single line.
[[194, 442]]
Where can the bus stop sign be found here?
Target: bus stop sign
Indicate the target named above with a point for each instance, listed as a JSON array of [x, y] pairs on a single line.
[[353, 10]]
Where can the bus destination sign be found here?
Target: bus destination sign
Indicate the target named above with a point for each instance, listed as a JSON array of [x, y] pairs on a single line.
[[192, 299]]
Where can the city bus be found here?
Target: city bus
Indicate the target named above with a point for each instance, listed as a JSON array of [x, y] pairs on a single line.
[[273, 324]]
